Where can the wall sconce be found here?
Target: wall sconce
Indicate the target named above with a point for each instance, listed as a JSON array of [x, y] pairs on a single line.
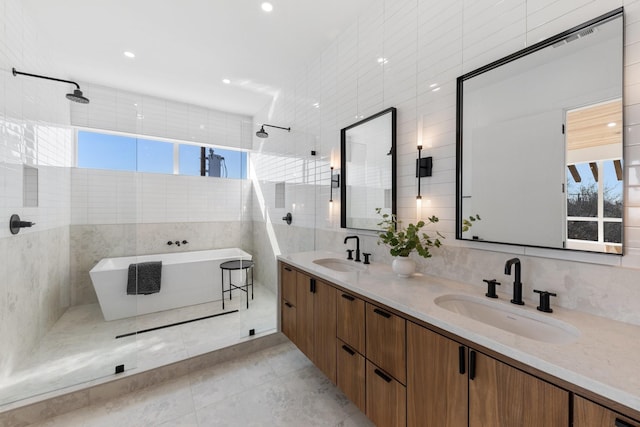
[[335, 183], [424, 166]]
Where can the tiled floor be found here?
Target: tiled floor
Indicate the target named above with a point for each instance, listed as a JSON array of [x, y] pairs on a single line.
[[82, 346], [274, 387]]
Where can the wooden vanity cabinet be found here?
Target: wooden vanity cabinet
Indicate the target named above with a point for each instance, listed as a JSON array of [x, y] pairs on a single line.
[[288, 302], [386, 341], [351, 323], [437, 382], [402, 373], [451, 385], [503, 396], [589, 414], [386, 398], [316, 322], [350, 375]]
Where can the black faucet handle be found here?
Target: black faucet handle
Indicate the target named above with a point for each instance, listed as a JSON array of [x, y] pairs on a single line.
[[169, 243], [366, 258], [544, 300], [184, 242], [491, 288], [349, 253]]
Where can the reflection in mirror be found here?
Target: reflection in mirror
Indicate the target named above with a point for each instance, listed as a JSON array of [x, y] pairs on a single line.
[[368, 167], [540, 143]]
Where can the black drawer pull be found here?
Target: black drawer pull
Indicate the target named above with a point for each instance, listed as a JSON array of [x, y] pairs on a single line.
[[312, 286], [461, 351], [622, 423], [288, 305], [348, 350], [381, 313], [288, 269], [382, 375], [472, 365], [349, 297]]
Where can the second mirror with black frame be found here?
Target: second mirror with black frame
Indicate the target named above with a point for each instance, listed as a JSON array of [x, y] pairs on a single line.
[[368, 165], [540, 143]]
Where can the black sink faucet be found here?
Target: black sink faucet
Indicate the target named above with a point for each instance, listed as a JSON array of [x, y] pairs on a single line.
[[517, 284], [357, 246]]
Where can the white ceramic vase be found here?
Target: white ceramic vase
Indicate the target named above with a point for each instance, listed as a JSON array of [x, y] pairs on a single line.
[[403, 266]]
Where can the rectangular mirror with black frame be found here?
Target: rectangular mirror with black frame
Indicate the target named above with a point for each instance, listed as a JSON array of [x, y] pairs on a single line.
[[540, 143], [368, 165]]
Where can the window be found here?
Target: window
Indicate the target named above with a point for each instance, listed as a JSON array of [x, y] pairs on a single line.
[[128, 153], [594, 201]]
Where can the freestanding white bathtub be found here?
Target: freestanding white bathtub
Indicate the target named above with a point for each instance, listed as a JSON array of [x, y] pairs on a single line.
[[188, 278]]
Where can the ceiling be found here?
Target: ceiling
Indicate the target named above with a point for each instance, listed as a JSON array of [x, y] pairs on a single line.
[[184, 49]]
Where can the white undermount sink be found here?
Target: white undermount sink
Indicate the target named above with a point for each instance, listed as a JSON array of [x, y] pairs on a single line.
[[514, 319], [341, 265]]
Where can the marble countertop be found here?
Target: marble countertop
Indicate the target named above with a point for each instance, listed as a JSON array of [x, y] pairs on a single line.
[[603, 359]]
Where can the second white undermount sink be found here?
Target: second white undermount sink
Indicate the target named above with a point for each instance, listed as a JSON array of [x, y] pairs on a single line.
[[341, 265], [511, 319]]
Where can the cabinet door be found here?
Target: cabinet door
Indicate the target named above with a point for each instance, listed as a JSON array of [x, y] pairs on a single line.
[[386, 340], [324, 328], [304, 314], [589, 414], [351, 320], [289, 321], [288, 283], [386, 398], [437, 381], [351, 374], [502, 396]]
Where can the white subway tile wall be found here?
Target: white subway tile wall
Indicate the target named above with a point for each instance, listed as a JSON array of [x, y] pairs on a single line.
[[34, 119], [122, 111], [116, 197]]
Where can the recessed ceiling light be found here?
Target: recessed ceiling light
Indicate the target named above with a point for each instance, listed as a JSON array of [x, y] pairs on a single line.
[[226, 81], [382, 60], [129, 54], [612, 124], [266, 6], [435, 89], [433, 85], [317, 105]]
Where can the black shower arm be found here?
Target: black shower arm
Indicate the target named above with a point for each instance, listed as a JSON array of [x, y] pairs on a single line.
[[279, 127], [16, 72]]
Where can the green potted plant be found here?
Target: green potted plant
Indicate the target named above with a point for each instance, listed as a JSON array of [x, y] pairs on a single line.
[[402, 241]]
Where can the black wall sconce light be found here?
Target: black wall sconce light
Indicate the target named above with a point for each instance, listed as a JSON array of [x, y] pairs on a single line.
[[335, 183], [424, 166]]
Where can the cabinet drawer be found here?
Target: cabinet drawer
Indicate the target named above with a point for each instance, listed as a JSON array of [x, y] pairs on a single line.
[[386, 398], [351, 321], [351, 374], [288, 283], [289, 320], [385, 341], [589, 414]]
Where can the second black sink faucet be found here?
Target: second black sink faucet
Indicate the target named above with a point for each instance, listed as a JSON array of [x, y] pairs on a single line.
[[357, 246], [517, 284]]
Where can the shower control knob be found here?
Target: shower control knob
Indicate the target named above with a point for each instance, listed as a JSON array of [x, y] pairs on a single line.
[[184, 242], [169, 243]]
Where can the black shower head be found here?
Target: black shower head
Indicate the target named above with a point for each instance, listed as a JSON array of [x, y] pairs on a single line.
[[77, 96], [263, 133]]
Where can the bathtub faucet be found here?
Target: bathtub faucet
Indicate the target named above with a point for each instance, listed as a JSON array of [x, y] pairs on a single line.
[[177, 242]]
